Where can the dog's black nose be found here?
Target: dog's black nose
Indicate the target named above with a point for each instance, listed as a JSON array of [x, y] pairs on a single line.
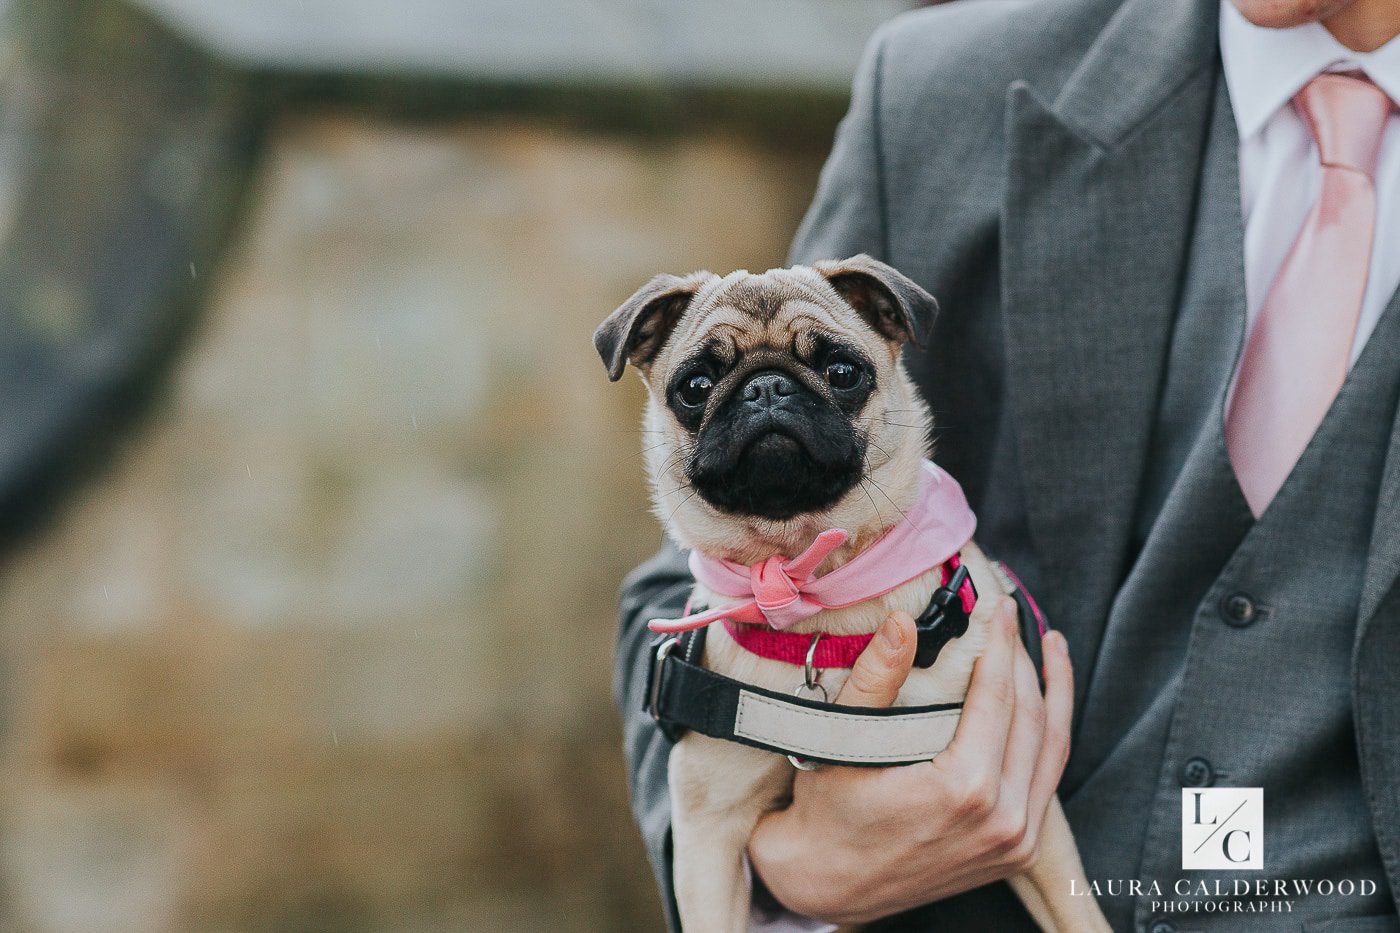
[[768, 388]]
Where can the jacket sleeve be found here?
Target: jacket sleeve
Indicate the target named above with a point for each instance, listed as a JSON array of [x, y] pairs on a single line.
[[847, 215], [657, 589]]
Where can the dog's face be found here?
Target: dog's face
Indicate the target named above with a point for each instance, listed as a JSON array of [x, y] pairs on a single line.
[[778, 406]]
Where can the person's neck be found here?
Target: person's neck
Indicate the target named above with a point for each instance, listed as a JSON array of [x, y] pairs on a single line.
[[1365, 25]]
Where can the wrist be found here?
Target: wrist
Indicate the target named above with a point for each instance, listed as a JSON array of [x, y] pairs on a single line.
[[780, 871]]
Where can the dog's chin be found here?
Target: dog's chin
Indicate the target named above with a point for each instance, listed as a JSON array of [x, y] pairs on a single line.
[[777, 478]]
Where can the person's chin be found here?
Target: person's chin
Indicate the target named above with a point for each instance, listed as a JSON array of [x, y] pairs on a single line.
[[1283, 14]]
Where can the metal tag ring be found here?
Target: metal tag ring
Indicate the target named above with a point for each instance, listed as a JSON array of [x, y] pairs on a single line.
[[801, 764], [810, 674]]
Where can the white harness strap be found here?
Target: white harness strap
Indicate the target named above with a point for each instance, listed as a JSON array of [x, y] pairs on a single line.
[[852, 738]]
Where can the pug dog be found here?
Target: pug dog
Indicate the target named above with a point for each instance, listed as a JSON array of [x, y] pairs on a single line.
[[778, 408]]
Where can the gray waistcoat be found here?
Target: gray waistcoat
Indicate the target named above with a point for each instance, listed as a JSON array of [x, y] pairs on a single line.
[[1226, 659]]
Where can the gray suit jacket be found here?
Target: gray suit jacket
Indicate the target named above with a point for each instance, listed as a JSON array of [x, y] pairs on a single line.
[[1033, 164]]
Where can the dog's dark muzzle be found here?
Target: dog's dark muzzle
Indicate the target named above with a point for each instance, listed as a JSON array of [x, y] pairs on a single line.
[[776, 447]]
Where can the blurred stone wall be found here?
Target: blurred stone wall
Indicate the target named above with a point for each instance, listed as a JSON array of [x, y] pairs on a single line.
[[328, 645]]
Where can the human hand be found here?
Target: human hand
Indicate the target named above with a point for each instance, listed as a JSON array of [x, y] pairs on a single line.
[[857, 844]]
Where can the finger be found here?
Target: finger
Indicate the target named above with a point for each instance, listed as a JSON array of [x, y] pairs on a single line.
[[979, 744], [1059, 713], [1025, 742], [883, 666]]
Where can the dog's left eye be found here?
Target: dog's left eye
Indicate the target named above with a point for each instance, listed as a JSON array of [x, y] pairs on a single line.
[[695, 390], [843, 375]]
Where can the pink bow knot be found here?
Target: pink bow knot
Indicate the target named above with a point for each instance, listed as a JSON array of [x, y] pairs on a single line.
[[777, 582]]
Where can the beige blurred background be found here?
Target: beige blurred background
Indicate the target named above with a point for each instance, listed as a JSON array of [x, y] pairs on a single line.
[[314, 498]]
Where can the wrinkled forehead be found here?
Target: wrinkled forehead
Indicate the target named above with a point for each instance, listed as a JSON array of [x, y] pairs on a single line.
[[781, 309]]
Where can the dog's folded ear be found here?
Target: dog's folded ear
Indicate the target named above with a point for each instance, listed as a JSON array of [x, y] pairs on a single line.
[[638, 329], [886, 298]]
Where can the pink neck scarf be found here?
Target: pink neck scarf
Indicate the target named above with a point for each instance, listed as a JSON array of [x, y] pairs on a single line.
[[780, 592]]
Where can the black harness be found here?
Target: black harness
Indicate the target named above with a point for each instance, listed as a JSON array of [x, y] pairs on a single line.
[[683, 696]]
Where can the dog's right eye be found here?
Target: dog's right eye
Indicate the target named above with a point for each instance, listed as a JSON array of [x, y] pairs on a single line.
[[695, 390]]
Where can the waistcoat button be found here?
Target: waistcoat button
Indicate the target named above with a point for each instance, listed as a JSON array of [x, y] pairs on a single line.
[[1161, 926], [1239, 610], [1197, 772]]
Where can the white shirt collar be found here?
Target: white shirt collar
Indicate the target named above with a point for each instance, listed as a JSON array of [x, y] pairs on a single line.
[[1265, 67]]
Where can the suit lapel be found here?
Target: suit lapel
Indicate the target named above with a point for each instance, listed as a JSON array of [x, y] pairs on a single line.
[[1375, 676], [1383, 561], [1101, 184]]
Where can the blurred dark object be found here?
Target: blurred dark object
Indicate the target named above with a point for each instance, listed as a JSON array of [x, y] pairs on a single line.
[[125, 155]]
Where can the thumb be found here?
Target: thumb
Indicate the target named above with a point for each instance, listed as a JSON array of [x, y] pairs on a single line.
[[882, 667]]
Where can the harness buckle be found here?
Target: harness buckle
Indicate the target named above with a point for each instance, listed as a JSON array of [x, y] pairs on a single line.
[[944, 619], [658, 662]]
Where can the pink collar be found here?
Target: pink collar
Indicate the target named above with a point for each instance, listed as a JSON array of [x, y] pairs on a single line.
[[779, 592]]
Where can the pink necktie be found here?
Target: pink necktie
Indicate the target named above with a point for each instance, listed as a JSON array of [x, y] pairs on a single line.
[[1295, 358]]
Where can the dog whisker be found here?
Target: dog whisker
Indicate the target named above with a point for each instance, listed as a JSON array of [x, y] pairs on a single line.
[[679, 504], [881, 489], [888, 457], [880, 516], [674, 460]]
